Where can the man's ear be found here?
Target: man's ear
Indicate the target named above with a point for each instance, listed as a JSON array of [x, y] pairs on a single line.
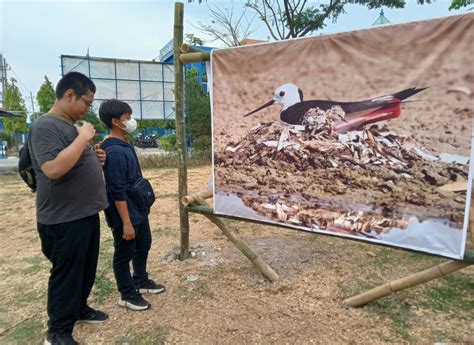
[[70, 94]]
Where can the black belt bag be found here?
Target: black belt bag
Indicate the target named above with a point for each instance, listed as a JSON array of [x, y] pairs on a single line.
[[142, 193]]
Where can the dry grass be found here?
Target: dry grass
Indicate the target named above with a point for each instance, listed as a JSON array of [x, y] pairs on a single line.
[[231, 302]]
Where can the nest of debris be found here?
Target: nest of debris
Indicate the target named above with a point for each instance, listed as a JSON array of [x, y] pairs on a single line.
[[364, 181]]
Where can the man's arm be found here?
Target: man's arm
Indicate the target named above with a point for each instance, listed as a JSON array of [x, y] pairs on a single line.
[[128, 230], [67, 158]]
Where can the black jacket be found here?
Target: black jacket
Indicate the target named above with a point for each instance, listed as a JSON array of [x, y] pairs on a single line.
[[121, 170]]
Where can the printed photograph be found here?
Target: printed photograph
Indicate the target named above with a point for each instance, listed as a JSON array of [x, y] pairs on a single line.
[[362, 134]]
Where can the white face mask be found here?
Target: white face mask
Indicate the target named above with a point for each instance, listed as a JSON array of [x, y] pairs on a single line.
[[130, 125]]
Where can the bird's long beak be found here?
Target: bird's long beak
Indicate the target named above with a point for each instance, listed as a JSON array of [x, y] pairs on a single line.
[[261, 107]]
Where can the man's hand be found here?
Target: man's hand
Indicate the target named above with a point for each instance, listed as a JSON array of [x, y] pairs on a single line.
[[100, 153], [128, 232], [86, 131]]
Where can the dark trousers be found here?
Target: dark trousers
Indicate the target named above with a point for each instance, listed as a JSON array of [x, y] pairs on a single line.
[[73, 249], [135, 250]]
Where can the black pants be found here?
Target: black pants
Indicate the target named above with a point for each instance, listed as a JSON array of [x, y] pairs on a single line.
[[73, 249], [135, 250]]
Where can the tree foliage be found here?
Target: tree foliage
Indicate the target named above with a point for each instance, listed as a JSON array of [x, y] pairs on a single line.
[[94, 120], [14, 102], [286, 19], [193, 40], [457, 4], [45, 96], [198, 111]]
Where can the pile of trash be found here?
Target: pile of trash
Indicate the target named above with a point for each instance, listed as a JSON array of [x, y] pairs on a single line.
[[365, 181]]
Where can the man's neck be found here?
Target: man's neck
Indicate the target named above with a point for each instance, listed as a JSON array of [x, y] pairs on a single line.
[[118, 133], [58, 110]]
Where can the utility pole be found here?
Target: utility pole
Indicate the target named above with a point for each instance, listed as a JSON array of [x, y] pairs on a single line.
[[32, 103], [3, 78]]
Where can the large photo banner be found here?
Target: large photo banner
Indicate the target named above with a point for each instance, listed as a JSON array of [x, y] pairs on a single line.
[[364, 134]]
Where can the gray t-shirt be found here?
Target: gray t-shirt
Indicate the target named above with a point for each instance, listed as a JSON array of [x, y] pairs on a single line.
[[78, 194]]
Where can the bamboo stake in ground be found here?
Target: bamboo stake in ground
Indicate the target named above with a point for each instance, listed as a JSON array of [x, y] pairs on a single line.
[[404, 283], [266, 270], [179, 119]]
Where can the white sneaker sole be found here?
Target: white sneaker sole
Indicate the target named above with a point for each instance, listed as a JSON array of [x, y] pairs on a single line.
[[131, 306], [46, 342], [155, 291]]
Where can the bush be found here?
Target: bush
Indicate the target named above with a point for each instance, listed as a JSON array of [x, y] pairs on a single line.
[[168, 142]]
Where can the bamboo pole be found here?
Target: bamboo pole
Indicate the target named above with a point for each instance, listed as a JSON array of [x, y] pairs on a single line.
[[187, 48], [180, 134], [266, 270], [191, 198], [406, 282], [194, 57]]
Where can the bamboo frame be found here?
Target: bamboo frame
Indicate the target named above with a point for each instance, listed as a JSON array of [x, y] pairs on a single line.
[[180, 134], [266, 270], [194, 57], [185, 53], [403, 283], [190, 199], [187, 48]]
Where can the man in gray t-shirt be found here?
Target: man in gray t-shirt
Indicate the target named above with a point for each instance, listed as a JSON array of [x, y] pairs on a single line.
[[70, 194]]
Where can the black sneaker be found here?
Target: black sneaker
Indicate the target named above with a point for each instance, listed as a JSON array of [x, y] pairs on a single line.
[[150, 286], [134, 301], [60, 338], [92, 316]]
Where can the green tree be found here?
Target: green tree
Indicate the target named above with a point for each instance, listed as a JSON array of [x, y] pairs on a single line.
[[94, 120], [198, 111], [45, 95], [289, 18], [457, 4], [14, 102]]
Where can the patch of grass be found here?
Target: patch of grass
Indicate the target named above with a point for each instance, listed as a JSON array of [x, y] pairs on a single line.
[[166, 231], [168, 195], [312, 237], [453, 292], [391, 307], [197, 289], [400, 314], [28, 298], [170, 160], [156, 336], [103, 287], [34, 267], [26, 332]]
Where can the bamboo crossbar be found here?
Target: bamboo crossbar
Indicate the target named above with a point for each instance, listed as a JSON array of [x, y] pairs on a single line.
[[191, 198], [406, 282], [194, 57], [187, 48]]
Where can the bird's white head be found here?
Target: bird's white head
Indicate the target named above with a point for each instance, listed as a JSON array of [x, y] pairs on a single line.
[[287, 95]]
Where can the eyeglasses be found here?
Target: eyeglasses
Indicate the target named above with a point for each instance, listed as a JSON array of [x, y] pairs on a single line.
[[87, 102]]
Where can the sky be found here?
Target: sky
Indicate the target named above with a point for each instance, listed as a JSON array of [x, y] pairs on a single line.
[[33, 34]]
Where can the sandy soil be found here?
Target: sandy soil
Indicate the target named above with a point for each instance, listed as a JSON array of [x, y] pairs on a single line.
[[229, 302]]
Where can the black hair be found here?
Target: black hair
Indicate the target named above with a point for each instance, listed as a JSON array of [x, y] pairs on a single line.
[[76, 81], [113, 109]]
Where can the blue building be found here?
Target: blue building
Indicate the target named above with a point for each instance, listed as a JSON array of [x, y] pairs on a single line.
[[167, 56]]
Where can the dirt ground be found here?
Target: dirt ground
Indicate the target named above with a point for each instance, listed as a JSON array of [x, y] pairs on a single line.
[[219, 297]]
